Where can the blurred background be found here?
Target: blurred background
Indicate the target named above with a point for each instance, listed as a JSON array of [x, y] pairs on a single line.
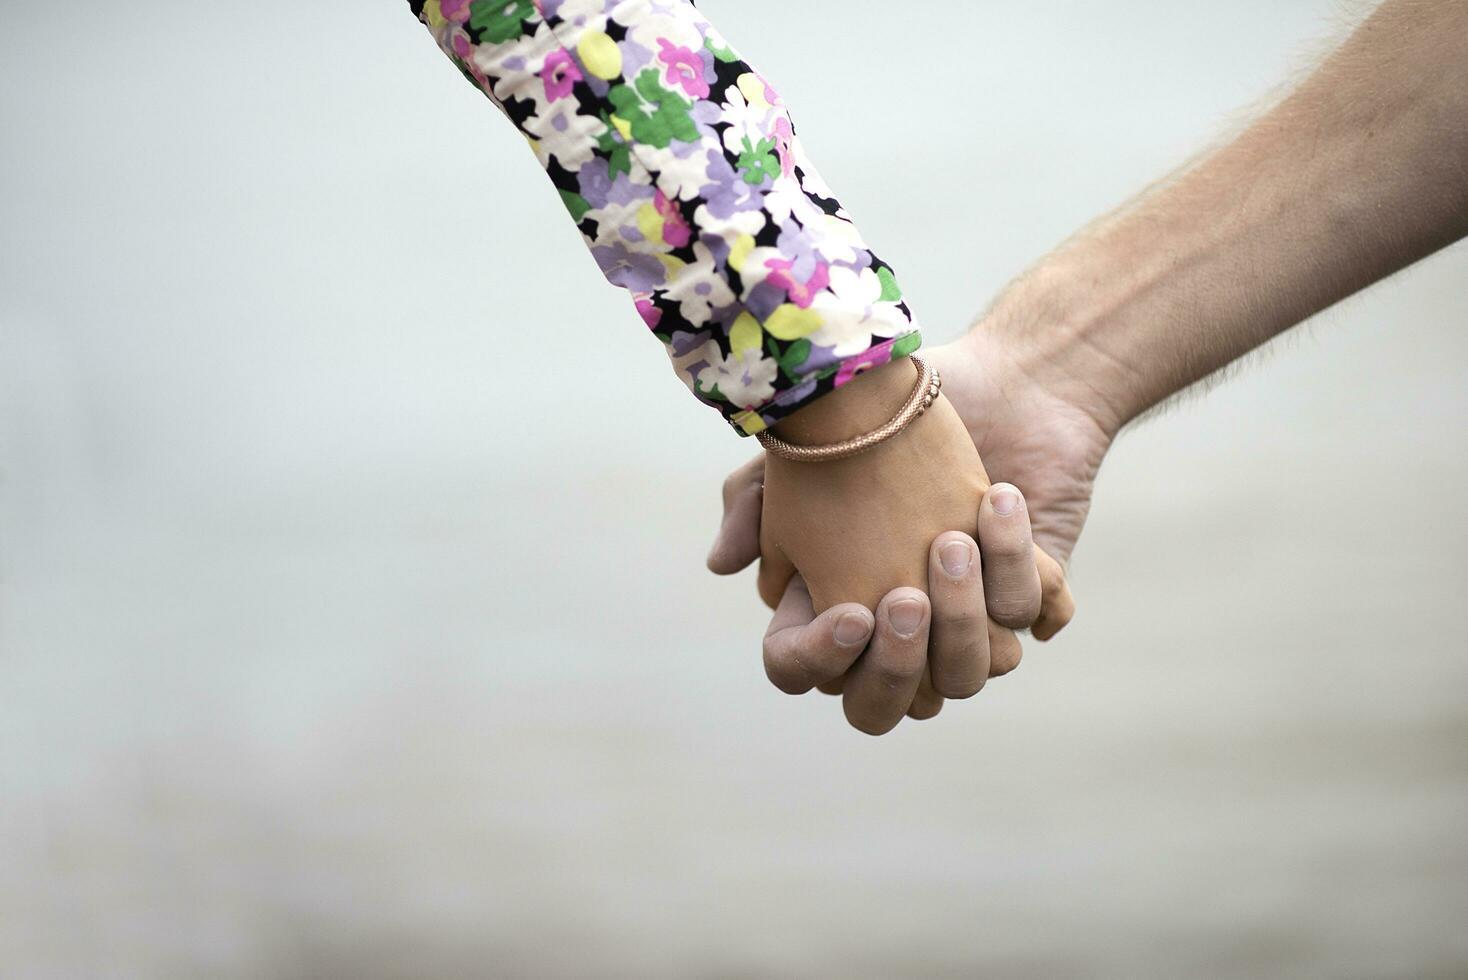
[[329, 647]]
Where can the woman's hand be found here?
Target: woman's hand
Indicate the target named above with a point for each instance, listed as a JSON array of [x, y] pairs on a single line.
[[1029, 437], [942, 635], [855, 530], [859, 527]]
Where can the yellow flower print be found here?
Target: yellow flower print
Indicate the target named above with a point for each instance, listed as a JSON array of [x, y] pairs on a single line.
[[790, 322], [600, 55], [746, 334]]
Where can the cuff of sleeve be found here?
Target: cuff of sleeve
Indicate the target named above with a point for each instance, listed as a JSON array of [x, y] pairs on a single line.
[[749, 421]]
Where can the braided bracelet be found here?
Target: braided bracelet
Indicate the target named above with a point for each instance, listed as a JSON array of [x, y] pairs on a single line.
[[924, 393]]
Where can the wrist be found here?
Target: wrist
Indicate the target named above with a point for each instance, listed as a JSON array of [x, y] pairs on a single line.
[[1051, 330], [864, 403]]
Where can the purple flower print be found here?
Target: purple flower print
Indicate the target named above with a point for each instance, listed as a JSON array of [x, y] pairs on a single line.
[[635, 57], [764, 299], [624, 191], [595, 182], [632, 271], [796, 395], [589, 80], [728, 193], [799, 244]]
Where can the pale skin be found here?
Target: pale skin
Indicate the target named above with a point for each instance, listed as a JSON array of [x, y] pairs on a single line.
[[1358, 172]]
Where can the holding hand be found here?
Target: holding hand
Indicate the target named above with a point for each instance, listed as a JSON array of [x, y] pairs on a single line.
[[879, 528]]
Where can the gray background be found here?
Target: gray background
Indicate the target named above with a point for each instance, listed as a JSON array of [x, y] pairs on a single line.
[[333, 647]]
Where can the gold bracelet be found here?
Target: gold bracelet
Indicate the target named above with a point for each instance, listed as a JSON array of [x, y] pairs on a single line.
[[924, 393]]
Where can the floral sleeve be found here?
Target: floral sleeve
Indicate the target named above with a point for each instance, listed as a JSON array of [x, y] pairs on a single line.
[[681, 167]]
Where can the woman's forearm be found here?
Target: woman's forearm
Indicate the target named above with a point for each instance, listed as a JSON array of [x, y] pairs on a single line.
[[682, 169], [1360, 171]]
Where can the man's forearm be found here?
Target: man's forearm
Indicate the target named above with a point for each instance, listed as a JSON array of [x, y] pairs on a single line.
[[1360, 171]]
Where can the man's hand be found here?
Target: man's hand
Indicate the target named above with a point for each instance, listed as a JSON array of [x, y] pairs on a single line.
[[1027, 434], [944, 643], [1028, 437], [1356, 174]]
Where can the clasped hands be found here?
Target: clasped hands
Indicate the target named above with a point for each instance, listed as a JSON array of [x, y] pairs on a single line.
[[899, 576]]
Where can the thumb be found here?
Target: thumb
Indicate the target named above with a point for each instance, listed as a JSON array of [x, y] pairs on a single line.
[[737, 543]]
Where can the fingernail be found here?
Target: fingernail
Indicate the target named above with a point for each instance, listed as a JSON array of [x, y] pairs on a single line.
[[853, 628], [1005, 500], [955, 557], [906, 616]]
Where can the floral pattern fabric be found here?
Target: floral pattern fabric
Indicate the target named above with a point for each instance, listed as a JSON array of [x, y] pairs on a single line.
[[681, 167]]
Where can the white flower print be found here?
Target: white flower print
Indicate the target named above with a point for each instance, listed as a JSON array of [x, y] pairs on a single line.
[[851, 314], [581, 13], [681, 168], [698, 288], [858, 290], [747, 379], [671, 189], [745, 120], [811, 181], [730, 228], [561, 132], [612, 219], [646, 27], [514, 67], [691, 363]]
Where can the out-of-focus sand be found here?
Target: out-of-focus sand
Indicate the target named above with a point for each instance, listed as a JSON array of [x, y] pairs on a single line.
[[316, 662]]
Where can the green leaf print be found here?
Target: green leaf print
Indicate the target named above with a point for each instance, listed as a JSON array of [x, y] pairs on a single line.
[[726, 55], [500, 20], [891, 292], [795, 355], [576, 204], [906, 345], [669, 119], [759, 163], [611, 146]]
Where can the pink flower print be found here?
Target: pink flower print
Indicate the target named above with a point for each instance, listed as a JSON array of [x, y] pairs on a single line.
[[675, 230], [464, 51], [685, 69], [455, 11], [651, 315], [560, 74], [782, 274], [771, 96], [863, 362], [784, 133]]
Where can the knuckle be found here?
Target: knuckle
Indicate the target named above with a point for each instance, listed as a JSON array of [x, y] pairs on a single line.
[[1007, 548], [959, 688], [896, 672], [961, 620], [900, 666], [1015, 610]]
